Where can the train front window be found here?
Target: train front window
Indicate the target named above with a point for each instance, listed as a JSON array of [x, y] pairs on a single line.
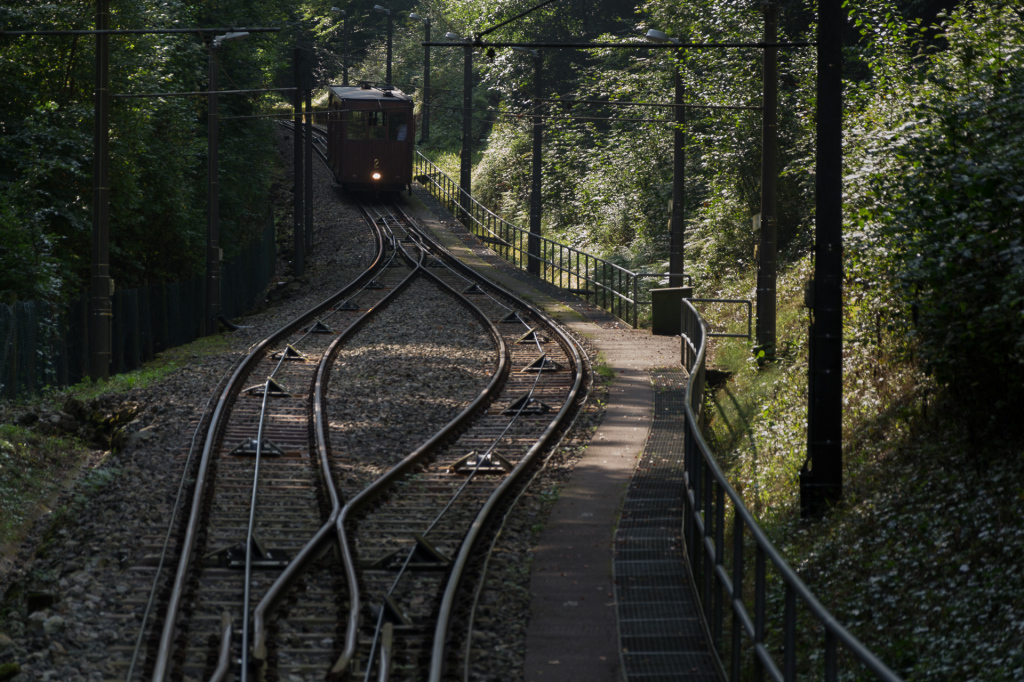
[[377, 125], [398, 127], [356, 125]]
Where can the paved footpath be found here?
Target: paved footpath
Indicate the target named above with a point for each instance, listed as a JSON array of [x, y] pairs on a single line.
[[573, 634]]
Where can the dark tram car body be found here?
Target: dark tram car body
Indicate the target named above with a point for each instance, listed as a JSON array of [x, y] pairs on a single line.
[[370, 138]]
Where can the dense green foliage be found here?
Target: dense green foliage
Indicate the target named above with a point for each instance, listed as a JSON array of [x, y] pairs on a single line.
[[157, 145], [933, 233], [940, 202]]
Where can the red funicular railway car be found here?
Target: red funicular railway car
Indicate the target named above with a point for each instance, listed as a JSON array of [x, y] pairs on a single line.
[[370, 137]]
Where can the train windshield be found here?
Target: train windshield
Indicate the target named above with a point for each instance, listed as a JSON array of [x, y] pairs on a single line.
[[367, 125], [378, 125], [398, 126]]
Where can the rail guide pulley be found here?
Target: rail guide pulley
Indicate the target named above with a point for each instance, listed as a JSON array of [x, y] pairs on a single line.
[[272, 387], [525, 404], [250, 446], [531, 337], [290, 352], [513, 317], [233, 557], [542, 364], [318, 328], [424, 557], [482, 463]]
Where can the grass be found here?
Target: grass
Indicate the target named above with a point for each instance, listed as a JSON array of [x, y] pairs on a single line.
[[150, 373], [33, 468], [923, 559]]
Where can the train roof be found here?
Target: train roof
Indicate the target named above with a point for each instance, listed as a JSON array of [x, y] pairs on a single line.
[[355, 92]]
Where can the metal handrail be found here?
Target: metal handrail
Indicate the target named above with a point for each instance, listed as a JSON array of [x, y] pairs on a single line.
[[707, 494], [612, 287]]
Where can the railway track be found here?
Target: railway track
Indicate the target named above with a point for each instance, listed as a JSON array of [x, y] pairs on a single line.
[[302, 563]]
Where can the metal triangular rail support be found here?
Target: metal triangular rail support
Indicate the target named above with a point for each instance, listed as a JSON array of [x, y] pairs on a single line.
[[542, 364], [233, 557], [346, 306], [513, 317], [436, 263], [473, 289], [427, 557], [424, 557], [271, 387], [319, 328], [486, 463], [531, 337], [525, 404], [374, 284], [290, 352], [266, 448], [396, 615]]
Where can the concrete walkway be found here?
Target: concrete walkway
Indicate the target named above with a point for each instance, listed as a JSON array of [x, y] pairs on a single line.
[[573, 633]]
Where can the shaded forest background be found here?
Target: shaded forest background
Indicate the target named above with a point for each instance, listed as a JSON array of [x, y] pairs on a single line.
[[933, 145], [933, 235]]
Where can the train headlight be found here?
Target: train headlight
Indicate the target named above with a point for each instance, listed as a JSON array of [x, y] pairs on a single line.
[[376, 176]]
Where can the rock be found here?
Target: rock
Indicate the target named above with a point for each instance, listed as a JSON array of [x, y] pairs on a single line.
[[67, 423], [76, 408], [141, 436], [81, 578], [28, 419], [53, 625], [36, 620], [5, 642]]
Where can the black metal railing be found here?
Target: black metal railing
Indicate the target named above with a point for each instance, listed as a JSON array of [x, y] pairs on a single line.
[[789, 633], [603, 283], [44, 344]]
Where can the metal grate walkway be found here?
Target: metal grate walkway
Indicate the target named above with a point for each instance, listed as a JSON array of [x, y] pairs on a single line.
[[660, 631]]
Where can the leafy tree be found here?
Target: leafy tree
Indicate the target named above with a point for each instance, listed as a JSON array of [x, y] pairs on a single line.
[[949, 206]]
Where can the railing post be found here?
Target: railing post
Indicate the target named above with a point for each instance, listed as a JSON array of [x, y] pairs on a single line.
[[789, 645], [737, 595], [717, 616], [636, 300], [831, 657], [759, 609]]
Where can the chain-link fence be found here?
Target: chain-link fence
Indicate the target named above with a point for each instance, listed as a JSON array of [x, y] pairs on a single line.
[[42, 345]]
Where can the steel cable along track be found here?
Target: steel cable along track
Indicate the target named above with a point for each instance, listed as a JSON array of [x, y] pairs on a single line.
[[406, 541], [410, 539], [266, 651], [263, 429]]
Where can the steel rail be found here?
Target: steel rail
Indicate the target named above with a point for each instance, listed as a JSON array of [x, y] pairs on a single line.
[[301, 560], [384, 482], [161, 669], [465, 484], [466, 674], [468, 545]]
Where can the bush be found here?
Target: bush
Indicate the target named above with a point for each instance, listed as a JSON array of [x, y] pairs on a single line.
[[955, 209]]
